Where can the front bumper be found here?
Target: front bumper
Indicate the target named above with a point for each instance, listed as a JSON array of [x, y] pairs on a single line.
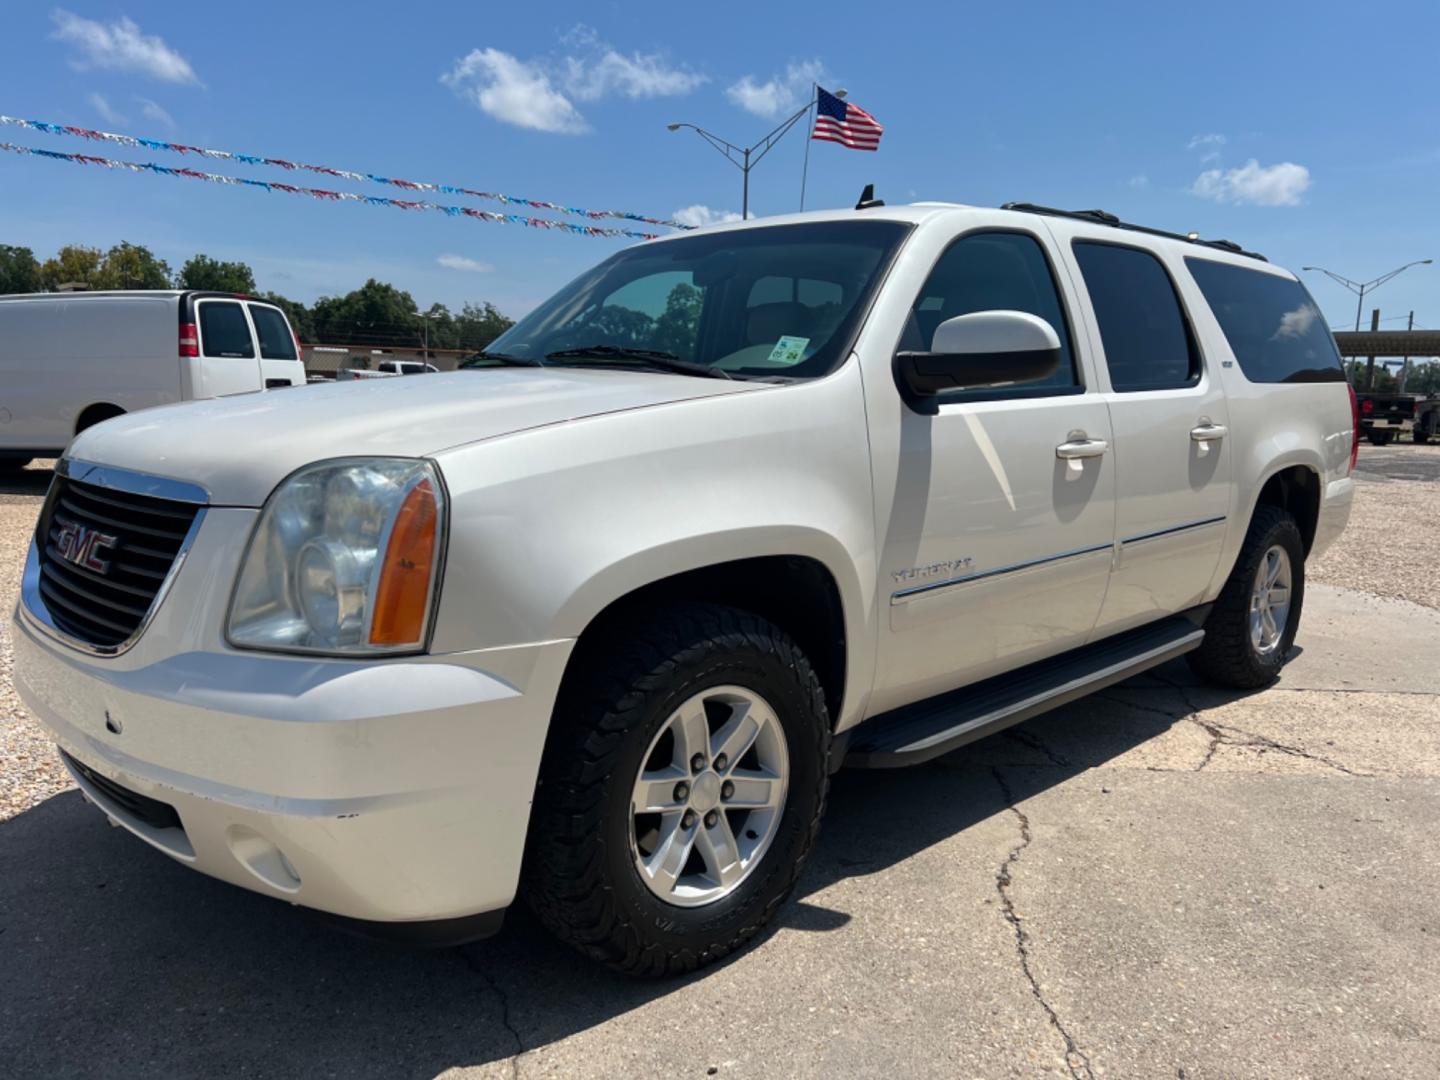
[[390, 791]]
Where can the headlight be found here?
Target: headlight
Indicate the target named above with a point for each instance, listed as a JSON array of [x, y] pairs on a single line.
[[345, 559]]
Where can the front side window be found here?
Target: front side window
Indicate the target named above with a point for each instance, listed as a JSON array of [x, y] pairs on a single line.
[[1148, 344], [276, 341], [1272, 325], [782, 301], [224, 331], [999, 271]]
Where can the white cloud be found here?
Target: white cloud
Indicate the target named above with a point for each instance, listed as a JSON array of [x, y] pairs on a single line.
[[1208, 145], [106, 111], [152, 111], [540, 94], [514, 92], [778, 95], [1205, 142], [699, 215], [120, 46], [1267, 185], [1139, 182], [598, 70], [464, 262], [1296, 322]]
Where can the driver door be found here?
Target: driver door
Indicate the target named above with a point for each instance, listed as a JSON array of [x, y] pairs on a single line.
[[996, 550]]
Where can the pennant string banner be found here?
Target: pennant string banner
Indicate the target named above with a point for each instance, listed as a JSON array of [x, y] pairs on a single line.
[[344, 174], [334, 196]]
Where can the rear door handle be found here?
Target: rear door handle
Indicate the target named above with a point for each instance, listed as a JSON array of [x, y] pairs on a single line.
[[1081, 448], [1206, 432]]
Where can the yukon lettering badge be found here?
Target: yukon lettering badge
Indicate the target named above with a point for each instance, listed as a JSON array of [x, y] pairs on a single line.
[[81, 545]]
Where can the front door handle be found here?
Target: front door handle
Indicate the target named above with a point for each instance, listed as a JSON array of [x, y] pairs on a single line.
[[1081, 448], [1206, 431]]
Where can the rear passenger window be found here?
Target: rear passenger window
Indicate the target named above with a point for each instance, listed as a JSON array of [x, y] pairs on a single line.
[[1148, 344], [1273, 326], [224, 331], [989, 272], [276, 341]]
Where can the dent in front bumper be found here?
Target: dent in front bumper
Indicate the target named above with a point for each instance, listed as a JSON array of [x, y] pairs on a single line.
[[384, 792]]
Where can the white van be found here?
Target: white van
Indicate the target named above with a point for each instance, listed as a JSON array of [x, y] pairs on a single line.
[[71, 360]]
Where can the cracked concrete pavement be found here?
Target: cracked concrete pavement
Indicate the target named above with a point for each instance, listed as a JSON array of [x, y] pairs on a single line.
[[1161, 880]]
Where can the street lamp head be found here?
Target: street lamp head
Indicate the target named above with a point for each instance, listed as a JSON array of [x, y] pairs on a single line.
[[673, 127], [840, 93], [1426, 262]]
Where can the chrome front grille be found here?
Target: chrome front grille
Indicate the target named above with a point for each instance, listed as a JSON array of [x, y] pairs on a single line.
[[104, 555]]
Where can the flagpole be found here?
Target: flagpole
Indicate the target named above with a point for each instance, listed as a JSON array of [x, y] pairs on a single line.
[[805, 170]]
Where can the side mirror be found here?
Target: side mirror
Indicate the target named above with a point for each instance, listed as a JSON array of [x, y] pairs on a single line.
[[986, 348]]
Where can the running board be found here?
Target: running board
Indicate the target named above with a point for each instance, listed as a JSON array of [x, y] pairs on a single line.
[[938, 725]]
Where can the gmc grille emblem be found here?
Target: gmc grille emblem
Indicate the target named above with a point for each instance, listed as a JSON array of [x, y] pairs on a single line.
[[82, 545]]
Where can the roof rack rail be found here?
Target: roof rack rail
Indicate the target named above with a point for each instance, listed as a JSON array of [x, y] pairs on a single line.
[[1102, 217]]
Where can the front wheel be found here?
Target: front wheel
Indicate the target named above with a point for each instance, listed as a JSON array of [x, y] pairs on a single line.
[[681, 791], [1252, 624]]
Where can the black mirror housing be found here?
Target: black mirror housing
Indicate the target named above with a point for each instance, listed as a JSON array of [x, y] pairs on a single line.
[[926, 373]]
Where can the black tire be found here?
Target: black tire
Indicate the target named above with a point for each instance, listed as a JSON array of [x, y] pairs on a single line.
[[14, 464], [580, 876], [1380, 438], [1227, 656], [1422, 431]]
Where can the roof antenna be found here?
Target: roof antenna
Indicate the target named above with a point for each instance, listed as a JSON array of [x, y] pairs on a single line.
[[868, 200]]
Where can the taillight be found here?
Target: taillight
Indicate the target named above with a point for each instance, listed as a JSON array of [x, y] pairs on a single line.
[[298, 354], [1355, 422], [189, 340], [1367, 406]]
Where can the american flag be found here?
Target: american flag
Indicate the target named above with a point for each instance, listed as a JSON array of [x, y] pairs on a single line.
[[849, 125]]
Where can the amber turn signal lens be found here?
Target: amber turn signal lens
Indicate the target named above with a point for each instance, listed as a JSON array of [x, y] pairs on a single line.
[[403, 595]]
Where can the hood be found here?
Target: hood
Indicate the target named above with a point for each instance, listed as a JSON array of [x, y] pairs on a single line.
[[239, 448]]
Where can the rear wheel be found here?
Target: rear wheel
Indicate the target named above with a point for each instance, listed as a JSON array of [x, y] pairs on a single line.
[[1253, 622], [14, 464], [681, 792], [1424, 428], [1380, 437]]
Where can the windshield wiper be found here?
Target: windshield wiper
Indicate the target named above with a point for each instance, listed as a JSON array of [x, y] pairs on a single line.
[[500, 359], [666, 361]]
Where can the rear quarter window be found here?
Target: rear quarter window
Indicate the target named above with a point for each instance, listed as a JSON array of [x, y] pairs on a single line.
[[1273, 327], [276, 341], [224, 331]]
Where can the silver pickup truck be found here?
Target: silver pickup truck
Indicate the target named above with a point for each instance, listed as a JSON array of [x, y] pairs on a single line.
[[592, 621]]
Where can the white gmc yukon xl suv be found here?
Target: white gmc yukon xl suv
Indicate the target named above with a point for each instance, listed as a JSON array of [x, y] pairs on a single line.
[[592, 620]]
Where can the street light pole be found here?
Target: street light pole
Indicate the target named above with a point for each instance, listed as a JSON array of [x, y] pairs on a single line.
[[1360, 288], [425, 318], [746, 158]]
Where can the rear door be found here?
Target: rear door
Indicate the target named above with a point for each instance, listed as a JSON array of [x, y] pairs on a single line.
[[1173, 468], [280, 362], [229, 362]]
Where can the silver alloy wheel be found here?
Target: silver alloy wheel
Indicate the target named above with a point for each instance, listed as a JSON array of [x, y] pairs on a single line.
[[1270, 600], [709, 797]]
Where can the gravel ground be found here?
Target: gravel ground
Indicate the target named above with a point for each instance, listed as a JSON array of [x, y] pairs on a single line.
[[1391, 547], [31, 771]]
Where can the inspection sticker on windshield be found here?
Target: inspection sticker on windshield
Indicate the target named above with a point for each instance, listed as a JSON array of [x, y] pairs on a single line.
[[789, 350]]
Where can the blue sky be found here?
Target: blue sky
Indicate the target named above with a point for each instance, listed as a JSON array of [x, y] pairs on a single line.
[[1305, 131]]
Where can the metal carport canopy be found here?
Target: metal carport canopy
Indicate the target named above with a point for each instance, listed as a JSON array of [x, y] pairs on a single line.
[[1388, 342]]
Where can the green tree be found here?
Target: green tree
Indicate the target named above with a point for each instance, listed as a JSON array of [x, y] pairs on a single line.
[[19, 270], [374, 314], [679, 323], [203, 272], [72, 264], [479, 324], [299, 315], [132, 266]]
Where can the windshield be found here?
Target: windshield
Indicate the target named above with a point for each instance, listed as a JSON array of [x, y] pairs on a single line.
[[778, 301]]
